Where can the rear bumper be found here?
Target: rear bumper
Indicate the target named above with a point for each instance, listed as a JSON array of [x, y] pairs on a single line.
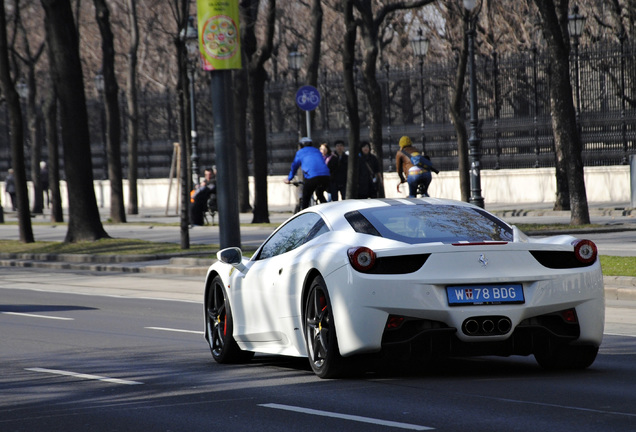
[[362, 307]]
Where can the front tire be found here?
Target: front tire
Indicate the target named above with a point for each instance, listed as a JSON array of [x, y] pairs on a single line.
[[320, 332], [219, 326]]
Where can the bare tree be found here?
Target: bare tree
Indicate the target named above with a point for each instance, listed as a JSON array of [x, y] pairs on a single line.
[[256, 54], [348, 63], [113, 122], [456, 107], [133, 109], [17, 137], [50, 127], [369, 28], [84, 220], [180, 14], [567, 140], [29, 58], [239, 78]]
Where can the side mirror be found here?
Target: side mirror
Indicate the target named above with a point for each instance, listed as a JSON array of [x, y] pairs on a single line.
[[232, 256]]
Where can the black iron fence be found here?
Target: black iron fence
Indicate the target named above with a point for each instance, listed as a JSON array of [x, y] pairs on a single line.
[[514, 110]]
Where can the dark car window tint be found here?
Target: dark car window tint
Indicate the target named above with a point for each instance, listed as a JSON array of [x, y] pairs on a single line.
[[294, 233], [431, 223]]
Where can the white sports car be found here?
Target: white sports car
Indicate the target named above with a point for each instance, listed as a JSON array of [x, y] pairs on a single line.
[[418, 277]]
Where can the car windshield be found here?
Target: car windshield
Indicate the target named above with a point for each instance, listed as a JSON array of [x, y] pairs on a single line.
[[428, 223]]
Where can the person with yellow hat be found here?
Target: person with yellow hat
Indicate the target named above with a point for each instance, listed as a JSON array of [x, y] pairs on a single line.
[[413, 168]]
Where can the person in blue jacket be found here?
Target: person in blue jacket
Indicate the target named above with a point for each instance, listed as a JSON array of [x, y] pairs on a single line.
[[315, 172]]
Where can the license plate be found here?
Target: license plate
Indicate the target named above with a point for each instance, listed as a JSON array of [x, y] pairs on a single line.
[[485, 294]]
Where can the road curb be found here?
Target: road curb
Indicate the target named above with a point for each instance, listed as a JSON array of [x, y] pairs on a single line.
[[616, 287]]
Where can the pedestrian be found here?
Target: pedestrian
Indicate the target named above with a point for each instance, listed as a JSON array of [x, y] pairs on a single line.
[[326, 152], [201, 196], [338, 171], [369, 177], [327, 155], [44, 181], [9, 187], [414, 168], [315, 172]]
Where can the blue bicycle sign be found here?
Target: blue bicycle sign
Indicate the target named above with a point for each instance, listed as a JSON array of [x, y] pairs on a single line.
[[307, 98]]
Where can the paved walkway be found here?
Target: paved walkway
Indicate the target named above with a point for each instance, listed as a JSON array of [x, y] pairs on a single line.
[[155, 225]]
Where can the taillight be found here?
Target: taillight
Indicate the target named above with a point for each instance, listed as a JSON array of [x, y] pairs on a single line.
[[394, 322], [361, 258], [569, 315], [585, 251]]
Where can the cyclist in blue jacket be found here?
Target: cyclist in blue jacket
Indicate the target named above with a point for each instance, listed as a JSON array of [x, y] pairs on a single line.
[[315, 172]]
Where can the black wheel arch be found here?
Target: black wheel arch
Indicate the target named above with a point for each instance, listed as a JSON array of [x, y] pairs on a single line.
[[208, 284], [309, 278]]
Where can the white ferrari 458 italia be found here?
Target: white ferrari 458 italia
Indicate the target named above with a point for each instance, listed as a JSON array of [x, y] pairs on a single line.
[[423, 278]]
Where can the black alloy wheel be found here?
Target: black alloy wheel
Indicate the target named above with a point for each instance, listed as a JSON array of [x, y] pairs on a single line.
[[218, 321], [320, 332]]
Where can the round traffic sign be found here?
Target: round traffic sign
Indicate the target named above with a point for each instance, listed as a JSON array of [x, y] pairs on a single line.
[[307, 98]]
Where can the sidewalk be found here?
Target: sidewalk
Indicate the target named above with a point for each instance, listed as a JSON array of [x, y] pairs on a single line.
[[610, 218]]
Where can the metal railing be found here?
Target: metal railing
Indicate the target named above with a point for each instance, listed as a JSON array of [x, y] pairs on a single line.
[[514, 110]]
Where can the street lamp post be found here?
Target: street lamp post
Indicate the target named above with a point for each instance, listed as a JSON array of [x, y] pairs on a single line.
[[474, 141], [420, 49], [99, 86], [576, 22], [191, 39], [295, 61]]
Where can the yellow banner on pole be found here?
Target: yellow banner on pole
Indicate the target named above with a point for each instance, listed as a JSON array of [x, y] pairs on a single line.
[[219, 36]]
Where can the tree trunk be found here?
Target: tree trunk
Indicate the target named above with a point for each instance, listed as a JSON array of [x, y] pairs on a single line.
[[348, 60], [183, 127], [457, 117], [17, 137], [133, 110], [562, 198], [369, 30], [33, 126], [256, 84], [113, 122], [240, 121], [50, 125], [84, 219], [567, 140], [313, 54], [256, 55]]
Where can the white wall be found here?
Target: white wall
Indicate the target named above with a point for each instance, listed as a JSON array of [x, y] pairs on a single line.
[[532, 185]]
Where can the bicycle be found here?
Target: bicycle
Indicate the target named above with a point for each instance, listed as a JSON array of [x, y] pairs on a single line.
[[312, 200]]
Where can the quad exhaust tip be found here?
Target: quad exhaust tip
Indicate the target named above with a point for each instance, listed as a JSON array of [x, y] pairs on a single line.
[[487, 326]]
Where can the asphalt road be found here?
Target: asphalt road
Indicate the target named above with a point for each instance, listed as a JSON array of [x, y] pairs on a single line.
[[84, 351]]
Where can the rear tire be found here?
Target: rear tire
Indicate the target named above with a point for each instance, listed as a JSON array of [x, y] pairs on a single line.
[[320, 332], [568, 357], [219, 326]]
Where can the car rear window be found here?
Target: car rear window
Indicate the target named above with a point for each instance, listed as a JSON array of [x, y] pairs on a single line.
[[428, 223]]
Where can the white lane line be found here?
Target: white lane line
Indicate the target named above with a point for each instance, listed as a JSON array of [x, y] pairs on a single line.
[[346, 417], [84, 376], [37, 316], [550, 405], [175, 330]]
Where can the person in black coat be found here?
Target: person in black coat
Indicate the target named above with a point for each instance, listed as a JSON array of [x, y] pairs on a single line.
[[338, 172], [368, 172]]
